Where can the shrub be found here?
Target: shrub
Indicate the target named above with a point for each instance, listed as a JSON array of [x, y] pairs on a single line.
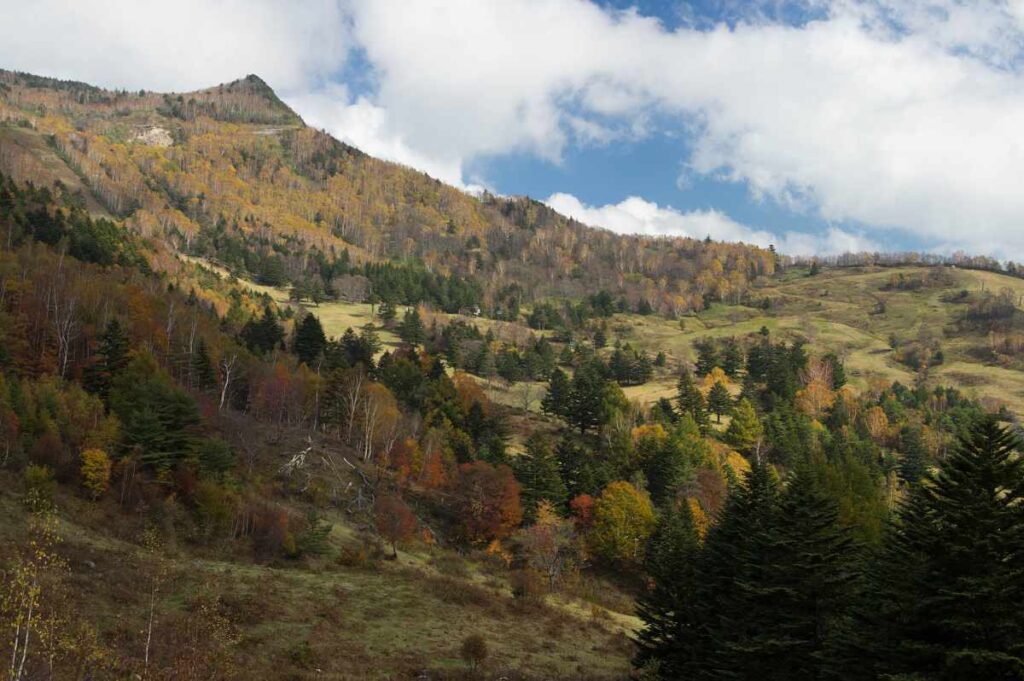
[[473, 650], [39, 487]]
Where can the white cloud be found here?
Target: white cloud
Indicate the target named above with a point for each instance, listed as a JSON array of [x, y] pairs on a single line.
[[182, 45], [635, 215], [908, 122], [896, 114]]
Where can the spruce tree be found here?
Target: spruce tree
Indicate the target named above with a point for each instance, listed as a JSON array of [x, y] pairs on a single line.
[[745, 432], [944, 601], [732, 357], [112, 358], [310, 340], [264, 334], [411, 328], [810, 574], [538, 473], [666, 607], [914, 458], [586, 404], [719, 401], [733, 604], [203, 373], [690, 400], [556, 399]]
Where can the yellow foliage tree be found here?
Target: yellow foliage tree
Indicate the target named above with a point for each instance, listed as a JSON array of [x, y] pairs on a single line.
[[96, 471], [623, 520]]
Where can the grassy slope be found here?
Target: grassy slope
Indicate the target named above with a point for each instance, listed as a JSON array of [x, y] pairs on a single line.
[[830, 310], [378, 619]]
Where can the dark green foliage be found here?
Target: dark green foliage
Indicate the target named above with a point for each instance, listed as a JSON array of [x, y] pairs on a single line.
[[586, 407], [411, 328], [264, 334], [731, 357], [707, 356], [944, 600], [111, 358], [733, 602], [719, 401], [203, 374], [690, 399], [214, 456], [838, 370], [629, 367], [666, 607], [556, 400], [539, 477], [913, 457], [159, 420], [310, 340]]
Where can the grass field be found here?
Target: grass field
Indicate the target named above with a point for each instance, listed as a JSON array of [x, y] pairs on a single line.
[[833, 311]]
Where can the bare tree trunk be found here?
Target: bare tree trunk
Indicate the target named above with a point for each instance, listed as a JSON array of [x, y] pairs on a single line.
[[227, 365]]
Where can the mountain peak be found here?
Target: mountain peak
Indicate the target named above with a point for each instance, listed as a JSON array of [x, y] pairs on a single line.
[[245, 100]]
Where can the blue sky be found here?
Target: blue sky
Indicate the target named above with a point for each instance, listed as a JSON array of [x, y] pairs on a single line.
[[820, 126]]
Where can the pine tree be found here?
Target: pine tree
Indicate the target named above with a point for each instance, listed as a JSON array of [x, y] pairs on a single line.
[[666, 607], [690, 400], [556, 400], [203, 373], [719, 401], [837, 369], [310, 340], [538, 473], [733, 604], [732, 357], [944, 599], [707, 356], [112, 358], [914, 459], [264, 334], [810, 575], [411, 328], [745, 432], [586, 403]]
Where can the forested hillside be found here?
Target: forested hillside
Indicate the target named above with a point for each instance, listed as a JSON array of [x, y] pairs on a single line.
[[230, 173], [270, 408]]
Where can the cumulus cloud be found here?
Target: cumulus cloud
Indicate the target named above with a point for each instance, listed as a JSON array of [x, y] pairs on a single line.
[[635, 215], [182, 45], [895, 114]]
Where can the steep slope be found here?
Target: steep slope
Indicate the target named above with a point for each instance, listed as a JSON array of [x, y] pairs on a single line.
[[233, 164]]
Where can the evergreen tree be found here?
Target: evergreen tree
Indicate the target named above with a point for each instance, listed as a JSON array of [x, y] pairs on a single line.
[[944, 601], [914, 458], [666, 607], [733, 604], [732, 357], [411, 328], [837, 368], [600, 337], [719, 401], [810, 574], [538, 473], [310, 340], [386, 312], [203, 373], [112, 357], [264, 334], [690, 400], [556, 400], [586, 404], [745, 432], [707, 356]]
